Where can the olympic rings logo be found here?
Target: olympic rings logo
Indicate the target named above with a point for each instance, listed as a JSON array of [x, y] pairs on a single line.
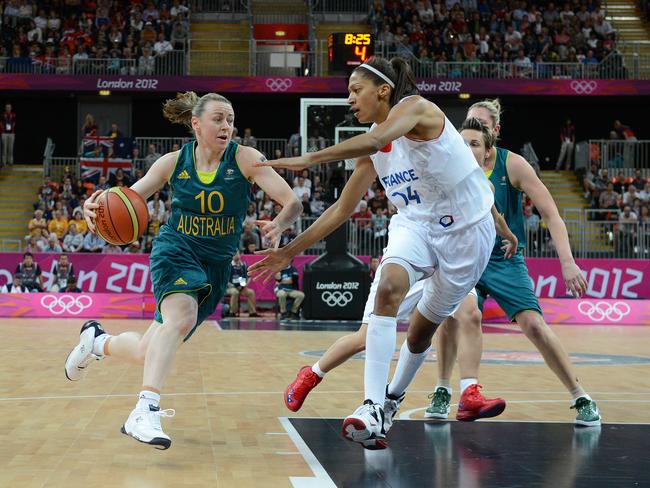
[[583, 87], [66, 303], [278, 84], [336, 298], [603, 310]]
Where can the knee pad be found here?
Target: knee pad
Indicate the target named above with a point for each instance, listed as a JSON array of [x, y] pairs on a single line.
[[413, 274]]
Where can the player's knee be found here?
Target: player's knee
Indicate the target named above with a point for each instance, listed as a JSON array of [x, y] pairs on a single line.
[[472, 319], [533, 326], [389, 295], [418, 340]]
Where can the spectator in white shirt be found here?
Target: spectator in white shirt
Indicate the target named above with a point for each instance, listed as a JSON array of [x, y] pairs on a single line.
[[93, 243], [300, 189], [162, 46], [630, 195], [305, 177], [73, 241]]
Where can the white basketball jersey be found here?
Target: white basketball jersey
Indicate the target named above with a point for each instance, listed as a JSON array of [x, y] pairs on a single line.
[[436, 182]]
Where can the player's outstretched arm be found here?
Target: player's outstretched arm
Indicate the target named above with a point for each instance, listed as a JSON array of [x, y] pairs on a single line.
[[402, 118], [275, 187], [277, 259], [522, 175]]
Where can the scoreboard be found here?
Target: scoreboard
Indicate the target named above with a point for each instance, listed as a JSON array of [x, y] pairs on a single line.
[[347, 50]]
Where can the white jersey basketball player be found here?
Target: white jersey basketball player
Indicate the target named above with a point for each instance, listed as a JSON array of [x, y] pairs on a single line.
[[443, 231]]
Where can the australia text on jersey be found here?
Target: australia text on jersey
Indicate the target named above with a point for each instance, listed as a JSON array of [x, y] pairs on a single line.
[[206, 226]]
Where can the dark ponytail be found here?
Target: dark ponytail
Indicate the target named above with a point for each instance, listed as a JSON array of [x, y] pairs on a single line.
[[396, 70], [405, 83]]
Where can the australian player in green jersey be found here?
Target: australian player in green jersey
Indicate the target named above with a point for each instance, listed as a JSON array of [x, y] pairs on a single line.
[[508, 283], [211, 180]]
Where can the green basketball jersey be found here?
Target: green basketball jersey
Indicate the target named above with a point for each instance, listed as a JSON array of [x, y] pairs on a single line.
[[507, 199], [209, 215]]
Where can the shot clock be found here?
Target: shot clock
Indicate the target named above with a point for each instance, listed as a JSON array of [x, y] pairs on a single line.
[[347, 50]]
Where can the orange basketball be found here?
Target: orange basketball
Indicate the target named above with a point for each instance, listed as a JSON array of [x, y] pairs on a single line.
[[122, 216]]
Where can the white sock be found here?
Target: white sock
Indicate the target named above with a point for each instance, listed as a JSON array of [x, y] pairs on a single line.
[[465, 382], [579, 392], [98, 345], [446, 384], [380, 344], [316, 369], [407, 365], [146, 398]]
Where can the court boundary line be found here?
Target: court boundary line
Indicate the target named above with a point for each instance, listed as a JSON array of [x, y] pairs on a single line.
[[321, 478], [484, 421]]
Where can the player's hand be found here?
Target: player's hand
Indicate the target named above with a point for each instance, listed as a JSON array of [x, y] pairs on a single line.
[[297, 163], [509, 247], [270, 232], [274, 261], [89, 210], [573, 279]]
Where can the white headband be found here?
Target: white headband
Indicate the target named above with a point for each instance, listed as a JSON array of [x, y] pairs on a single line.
[[378, 73]]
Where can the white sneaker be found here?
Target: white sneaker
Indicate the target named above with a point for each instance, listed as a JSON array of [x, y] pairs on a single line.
[[81, 356], [144, 426], [366, 426], [391, 406]]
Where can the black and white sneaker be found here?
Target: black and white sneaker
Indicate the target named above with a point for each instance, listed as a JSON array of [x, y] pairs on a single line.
[[366, 426], [391, 407], [144, 425], [76, 364]]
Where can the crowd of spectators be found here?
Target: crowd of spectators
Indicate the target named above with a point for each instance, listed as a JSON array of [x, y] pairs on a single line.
[[479, 31], [107, 36], [621, 203]]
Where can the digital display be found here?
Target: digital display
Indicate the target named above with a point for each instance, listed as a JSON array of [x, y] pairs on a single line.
[[347, 50]]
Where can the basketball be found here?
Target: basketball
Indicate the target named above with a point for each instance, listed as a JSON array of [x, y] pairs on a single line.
[[122, 216]]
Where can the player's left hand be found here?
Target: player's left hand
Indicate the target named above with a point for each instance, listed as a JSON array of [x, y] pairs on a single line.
[[270, 232], [274, 261], [297, 163], [573, 279], [509, 247]]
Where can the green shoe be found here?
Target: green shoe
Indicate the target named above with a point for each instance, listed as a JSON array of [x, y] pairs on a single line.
[[588, 414], [439, 408]]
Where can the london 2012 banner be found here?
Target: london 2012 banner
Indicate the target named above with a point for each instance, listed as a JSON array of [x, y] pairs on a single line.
[[129, 273]]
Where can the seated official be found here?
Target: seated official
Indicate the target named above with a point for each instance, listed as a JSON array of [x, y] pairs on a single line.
[[287, 287], [16, 286], [237, 286]]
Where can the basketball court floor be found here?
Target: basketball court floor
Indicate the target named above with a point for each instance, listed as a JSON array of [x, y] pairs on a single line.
[[232, 429]]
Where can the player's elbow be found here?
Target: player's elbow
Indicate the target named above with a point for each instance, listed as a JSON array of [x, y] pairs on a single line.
[[295, 206], [374, 143]]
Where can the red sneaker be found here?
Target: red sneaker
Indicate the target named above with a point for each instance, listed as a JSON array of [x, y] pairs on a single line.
[[296, 392], [474, 406]]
